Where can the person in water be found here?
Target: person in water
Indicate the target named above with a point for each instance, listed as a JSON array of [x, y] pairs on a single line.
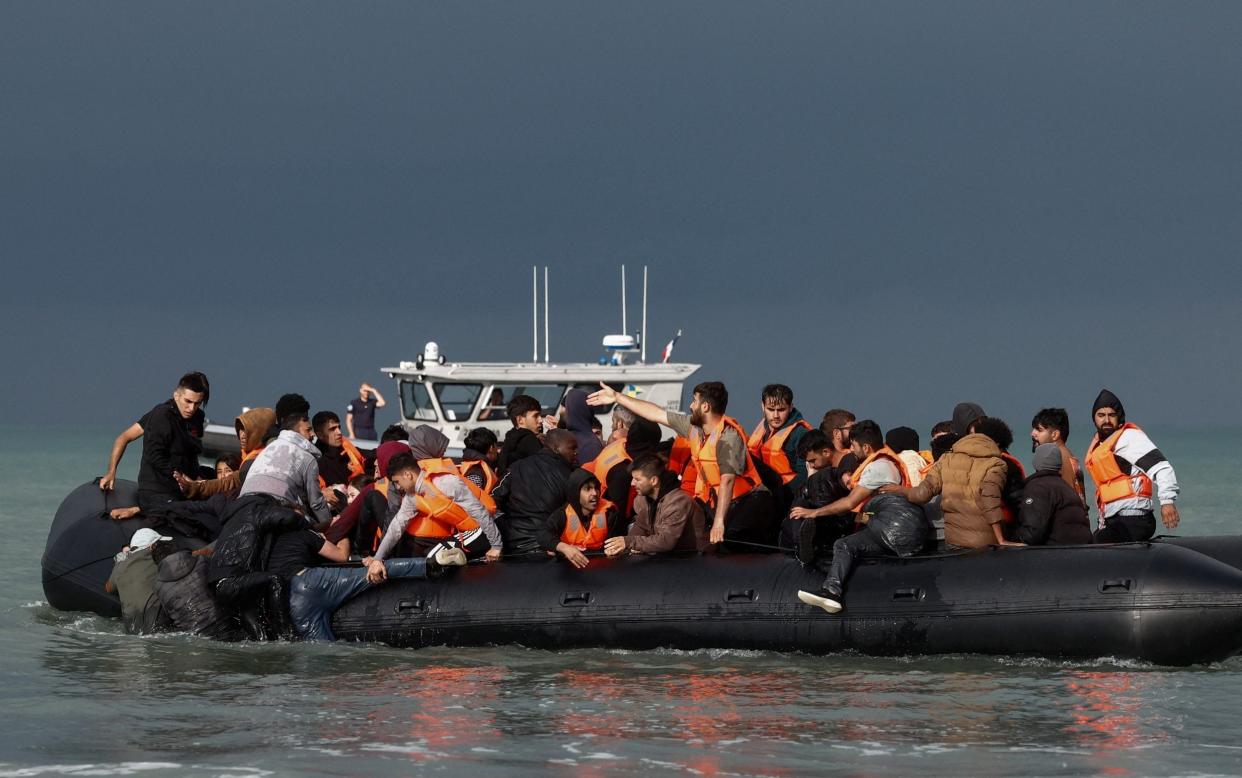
[[181, 585], [1124, 463], [133, 580], [1051, 425], [773, 445], [1052, 514], [666, 518], [582, 523], [743, 510]]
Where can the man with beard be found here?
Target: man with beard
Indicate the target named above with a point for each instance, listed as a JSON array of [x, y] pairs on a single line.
[[741, 507], [1051, 425], [1124, 462]]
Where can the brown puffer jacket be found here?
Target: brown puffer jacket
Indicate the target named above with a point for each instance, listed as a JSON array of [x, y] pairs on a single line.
[[256, 423], [970, 480]]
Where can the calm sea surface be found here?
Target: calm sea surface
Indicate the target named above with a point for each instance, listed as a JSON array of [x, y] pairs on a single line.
[[79, 697]]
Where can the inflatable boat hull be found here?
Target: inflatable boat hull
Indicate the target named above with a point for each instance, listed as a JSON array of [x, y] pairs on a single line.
[[1153, 602]]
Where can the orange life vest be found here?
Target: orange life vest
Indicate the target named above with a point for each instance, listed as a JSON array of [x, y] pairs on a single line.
[[772, 450], [251, 454], [1111, 484], [1011, 461], [884, 453], [703, 451], [448, 467], [380, 486], [592, 536], [357, 462], [484, 492], [682, 463], [436, 516], [927, 456], [614, 454]]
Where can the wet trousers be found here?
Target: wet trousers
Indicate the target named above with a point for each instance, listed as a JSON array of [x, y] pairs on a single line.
[[316, 593], [260, 602]]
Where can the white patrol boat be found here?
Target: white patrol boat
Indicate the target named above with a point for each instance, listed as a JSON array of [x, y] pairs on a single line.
[[456, 397]]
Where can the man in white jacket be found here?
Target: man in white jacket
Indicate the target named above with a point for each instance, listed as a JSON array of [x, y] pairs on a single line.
[[1124, 463]]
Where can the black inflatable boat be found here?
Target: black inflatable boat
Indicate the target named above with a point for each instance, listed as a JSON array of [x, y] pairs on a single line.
[[1173, 601]]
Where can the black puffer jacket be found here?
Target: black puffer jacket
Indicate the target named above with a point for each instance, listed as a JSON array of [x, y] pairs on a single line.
[[249, 524], [1052, 512], [900, 522], [519, 444], [534, 488], [181, 585]]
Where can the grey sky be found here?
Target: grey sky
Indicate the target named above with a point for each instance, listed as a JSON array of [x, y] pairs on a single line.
[[889, 206]]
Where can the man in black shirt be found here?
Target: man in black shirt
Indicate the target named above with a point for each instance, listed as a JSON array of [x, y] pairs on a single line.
[[171, 442], [299, 549]]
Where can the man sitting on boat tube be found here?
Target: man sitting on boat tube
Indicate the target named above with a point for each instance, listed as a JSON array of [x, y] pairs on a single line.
[[743, 511], [583, 523]]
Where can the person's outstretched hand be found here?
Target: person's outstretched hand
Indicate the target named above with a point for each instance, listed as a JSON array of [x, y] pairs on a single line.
[[605, 396]]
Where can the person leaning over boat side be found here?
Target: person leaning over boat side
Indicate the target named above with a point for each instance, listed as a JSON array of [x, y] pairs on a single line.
[[742, 508], [1051, 425], [428, 445], [181, 585], [581, 523], [532, 489], [1123, 463], [814, 536], [526, 415], [288, 468], [773, 445], [133, 580], [360, 412], [171, 435], [665, 517], [970, 480], [428, 519], [1052, 513]]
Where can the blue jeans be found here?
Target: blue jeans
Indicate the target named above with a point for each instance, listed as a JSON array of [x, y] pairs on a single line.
[[316, 593]]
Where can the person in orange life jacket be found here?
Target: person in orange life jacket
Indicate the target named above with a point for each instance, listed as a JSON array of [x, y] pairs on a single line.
[[1052, 513], [773, 445], [1051, 425], [665, 518], [368, 514], [1015, 473], [900, 533], [428, 446], [612, 466], [742, 508], [1124, 463], [428, 523], [251, 427], [814, 537], [340, 460], [880, 467], [526, 415], [581, 524], [479, 446]]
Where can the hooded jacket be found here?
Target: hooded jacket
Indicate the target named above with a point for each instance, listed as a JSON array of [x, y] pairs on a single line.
[[288, 469], [1137, 455], [673, 521], [970, 479], [534, 488], [249, 524], [427, 442], [578, 417], [181, 585], [1052, 513], [554, 527], [255, 422]]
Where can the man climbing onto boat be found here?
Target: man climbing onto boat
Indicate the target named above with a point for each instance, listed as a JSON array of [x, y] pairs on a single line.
[[743, 510], [1124, 463]]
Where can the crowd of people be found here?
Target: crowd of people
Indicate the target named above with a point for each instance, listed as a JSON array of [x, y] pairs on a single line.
[[301, 495]]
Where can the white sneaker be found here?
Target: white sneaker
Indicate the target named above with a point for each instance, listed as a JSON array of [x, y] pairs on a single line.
[[819, 601], [450, 556]]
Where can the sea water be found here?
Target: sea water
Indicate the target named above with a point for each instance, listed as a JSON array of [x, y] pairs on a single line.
[[79, 697]]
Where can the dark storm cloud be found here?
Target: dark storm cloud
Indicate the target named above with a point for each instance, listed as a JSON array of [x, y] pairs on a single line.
[[890, 206]]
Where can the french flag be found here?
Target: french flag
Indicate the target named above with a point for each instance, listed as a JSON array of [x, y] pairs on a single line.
[[668, 350]]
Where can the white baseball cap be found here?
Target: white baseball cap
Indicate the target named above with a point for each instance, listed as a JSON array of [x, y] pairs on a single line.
[[145, 537]]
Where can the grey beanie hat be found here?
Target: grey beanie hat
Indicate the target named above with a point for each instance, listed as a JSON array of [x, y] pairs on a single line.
[[1047, 457]]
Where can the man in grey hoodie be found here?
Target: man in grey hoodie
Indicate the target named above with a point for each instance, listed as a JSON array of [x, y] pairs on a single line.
[[288, 468]]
